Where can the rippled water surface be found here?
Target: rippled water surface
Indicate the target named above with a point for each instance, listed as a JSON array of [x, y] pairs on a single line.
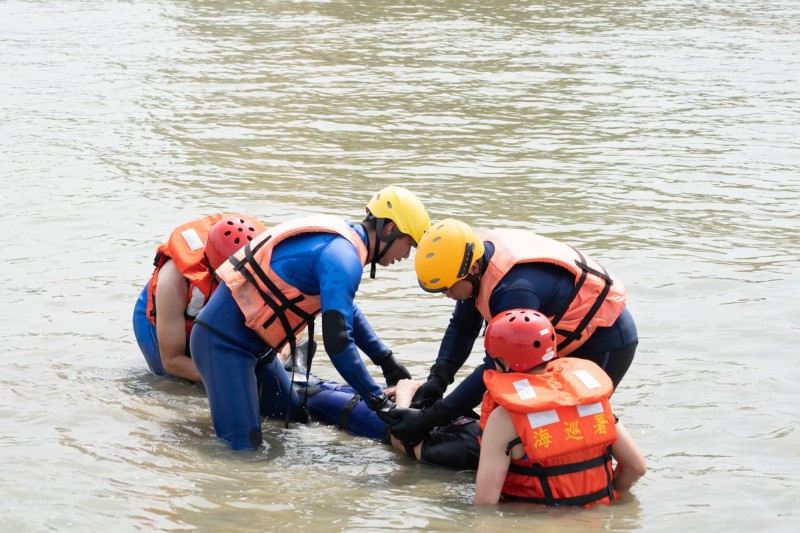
[[661, 136]]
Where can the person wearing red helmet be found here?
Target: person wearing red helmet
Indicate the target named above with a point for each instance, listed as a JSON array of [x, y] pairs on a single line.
[[180, 286], [548, 433]]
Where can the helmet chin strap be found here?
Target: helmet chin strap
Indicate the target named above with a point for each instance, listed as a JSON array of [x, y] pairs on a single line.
[[379, 236], [475, 279], [378, 256]]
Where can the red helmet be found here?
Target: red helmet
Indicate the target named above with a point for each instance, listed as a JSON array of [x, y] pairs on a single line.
[[523, 338], [227, 236]]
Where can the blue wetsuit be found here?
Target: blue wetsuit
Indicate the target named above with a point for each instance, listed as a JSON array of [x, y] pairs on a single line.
[[226, 351], [546, 288], [146, 336], [453, 446]]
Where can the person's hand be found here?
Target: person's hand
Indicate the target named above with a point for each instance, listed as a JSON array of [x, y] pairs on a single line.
[[412, 425], [393, 371], [383, 406], [429, 392], [404, 392], [407, 424]]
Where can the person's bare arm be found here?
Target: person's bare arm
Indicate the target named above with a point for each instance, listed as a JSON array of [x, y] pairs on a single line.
[[493, 463], [171, 296], [404, 391], [630, 463]]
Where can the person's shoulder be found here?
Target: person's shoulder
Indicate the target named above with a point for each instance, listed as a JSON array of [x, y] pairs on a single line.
[[340, 257]]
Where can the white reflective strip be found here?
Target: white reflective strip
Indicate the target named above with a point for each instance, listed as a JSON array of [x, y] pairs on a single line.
[[192, 239], [196, 303], [524, 389], [591, 409], [545, 418], [587, 379]]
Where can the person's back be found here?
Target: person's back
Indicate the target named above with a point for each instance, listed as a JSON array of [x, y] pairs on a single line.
[[181, 284], [549, 434]]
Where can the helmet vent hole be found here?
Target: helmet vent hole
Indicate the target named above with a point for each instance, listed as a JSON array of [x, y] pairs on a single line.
[[536, 344], [429, 255], [435, 281], [527, 319], [437, 239], [236, 240], [512, 319], [227, 233], [389, 205]]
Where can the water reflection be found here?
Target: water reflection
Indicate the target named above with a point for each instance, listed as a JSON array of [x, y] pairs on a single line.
[[660, 137]]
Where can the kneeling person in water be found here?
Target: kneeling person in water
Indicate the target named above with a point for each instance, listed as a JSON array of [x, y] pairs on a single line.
[[548, 433]]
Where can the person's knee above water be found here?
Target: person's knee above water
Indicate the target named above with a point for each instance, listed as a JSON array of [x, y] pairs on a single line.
[[501, 270], [274, 288], [180, 286], [548, 433]]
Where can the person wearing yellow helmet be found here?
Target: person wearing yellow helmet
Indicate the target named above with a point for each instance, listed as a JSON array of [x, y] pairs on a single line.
[[181, 284], [399, 210], [506, 269], [271, 292]]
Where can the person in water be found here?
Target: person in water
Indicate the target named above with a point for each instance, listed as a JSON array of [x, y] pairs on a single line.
[[183, 280], [272, 290], [331, 403], [549, 435], [501, 270]]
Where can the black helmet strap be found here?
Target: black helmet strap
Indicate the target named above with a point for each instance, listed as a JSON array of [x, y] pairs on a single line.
[[380, 223]]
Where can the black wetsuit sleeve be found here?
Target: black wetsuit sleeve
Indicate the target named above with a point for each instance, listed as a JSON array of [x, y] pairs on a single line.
[[468, 394], [459, 338]]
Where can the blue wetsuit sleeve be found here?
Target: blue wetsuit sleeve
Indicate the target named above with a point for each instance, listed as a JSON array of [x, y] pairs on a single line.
[[365, 337], [350, 366], [459, 337], [339, 271]]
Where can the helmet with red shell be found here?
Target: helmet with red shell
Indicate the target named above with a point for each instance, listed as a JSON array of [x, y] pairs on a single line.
[[228, 235], [523, 338]]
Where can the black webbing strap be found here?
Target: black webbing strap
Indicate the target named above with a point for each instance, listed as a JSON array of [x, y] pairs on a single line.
[[537, 470], [544, 472], [344, 419], [570, 336], [279, 303], [511, 444], [573, 500]]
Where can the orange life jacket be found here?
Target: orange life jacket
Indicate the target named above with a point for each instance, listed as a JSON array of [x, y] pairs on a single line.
[[186, 248], [566, 425], [274, 309], [597, 299]]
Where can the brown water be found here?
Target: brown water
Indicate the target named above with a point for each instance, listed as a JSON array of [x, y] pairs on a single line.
[[660, 136]]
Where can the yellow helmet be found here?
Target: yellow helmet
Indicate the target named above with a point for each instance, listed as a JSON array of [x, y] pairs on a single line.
[[402, 207], [445, 254]]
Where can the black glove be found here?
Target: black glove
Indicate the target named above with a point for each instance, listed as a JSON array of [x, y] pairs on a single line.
[[383, 406], [392, 370], [412, 425], [433, 389]]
